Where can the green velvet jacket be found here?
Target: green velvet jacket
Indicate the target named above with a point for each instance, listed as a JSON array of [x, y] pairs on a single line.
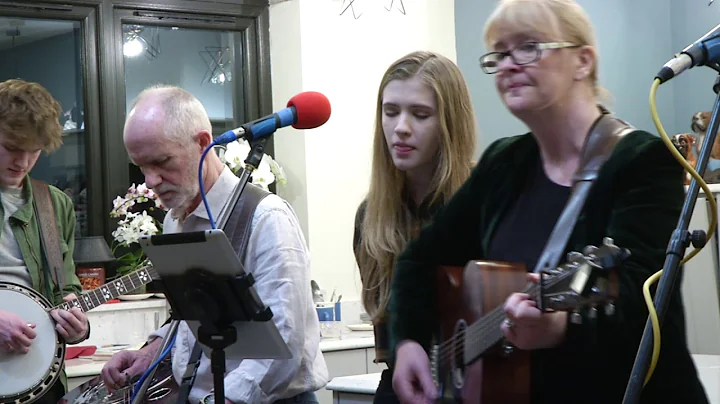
[[636, 200]]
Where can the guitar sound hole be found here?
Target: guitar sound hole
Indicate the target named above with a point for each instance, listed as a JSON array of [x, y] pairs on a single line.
[[458, 355]]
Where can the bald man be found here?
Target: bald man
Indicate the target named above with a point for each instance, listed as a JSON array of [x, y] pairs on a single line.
[[165, 134]]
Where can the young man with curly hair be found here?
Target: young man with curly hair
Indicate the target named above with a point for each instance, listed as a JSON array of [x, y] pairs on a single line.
[[29, 125]]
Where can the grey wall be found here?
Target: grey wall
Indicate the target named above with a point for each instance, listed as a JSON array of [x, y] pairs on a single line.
[[635, 38]]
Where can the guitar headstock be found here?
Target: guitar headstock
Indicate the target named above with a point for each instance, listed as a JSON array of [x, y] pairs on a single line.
[[586, 280]]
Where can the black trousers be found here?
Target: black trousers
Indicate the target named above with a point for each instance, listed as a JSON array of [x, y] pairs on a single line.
[[385, 393], [55, 394]]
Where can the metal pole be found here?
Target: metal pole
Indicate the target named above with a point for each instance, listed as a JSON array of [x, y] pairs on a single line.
[[172, 330]]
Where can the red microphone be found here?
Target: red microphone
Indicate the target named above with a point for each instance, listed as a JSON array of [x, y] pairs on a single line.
[[306, 110], [312, 109]]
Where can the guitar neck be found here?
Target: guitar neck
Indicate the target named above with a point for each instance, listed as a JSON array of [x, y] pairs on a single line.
[[485, 333], [111, 290]]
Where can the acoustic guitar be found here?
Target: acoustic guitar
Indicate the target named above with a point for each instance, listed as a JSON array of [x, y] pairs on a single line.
[[471, 299]]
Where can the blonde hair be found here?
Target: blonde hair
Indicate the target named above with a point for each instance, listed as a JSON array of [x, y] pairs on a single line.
[[388, 224], [29, 116], [554, 20], [184, 113]]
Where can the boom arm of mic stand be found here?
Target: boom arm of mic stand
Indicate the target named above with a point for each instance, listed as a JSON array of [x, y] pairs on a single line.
[[679, 242], [172, 330], [257, 150]]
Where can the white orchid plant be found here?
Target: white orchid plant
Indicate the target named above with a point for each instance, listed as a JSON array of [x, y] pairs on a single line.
[[141, 214], [234, 154]]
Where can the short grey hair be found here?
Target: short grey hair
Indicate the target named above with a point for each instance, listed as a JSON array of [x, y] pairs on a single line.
[[184, 113]]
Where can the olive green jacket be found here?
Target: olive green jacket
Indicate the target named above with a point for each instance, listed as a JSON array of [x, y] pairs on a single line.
[[27, 233]]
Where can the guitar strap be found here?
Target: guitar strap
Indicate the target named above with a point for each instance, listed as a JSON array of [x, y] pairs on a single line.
[[604, 135], [49, 240], [237, 229]]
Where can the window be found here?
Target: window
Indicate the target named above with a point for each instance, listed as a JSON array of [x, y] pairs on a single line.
[[52, 52], [209, 56], [77, 49]]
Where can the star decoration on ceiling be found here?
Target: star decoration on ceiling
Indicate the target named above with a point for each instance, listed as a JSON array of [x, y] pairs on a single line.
[[219, 64], [351, 6]]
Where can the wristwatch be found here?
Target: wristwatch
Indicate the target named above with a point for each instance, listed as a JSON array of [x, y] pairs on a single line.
[[209, 398]]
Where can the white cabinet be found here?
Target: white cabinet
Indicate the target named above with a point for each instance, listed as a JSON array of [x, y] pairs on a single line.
[[127, 322], [373, 367], [700, 287], [348, 363]]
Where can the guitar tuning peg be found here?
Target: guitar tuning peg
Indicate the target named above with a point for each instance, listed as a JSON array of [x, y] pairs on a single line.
[[609, 309], [575, 318], [573, 256], [592, 313], [608, 241]]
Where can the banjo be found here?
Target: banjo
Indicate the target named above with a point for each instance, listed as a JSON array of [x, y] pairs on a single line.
[[25, 378]]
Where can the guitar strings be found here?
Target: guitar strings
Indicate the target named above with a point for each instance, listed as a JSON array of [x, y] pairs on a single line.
[[489, 323]]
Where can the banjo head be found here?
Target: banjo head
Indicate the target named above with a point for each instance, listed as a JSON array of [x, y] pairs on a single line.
[[24, 378]]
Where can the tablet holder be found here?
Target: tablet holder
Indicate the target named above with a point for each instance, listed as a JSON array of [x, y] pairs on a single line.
[[216, 301]]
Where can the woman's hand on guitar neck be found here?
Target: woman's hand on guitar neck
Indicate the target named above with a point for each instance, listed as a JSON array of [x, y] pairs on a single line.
[[412, 381], [16, 335], [529, 328], [71, 324]]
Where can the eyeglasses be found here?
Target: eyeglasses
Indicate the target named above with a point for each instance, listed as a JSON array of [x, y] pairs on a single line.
[[523, 54]]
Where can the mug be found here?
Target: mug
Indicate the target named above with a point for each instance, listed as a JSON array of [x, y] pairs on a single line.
[[326, 313]]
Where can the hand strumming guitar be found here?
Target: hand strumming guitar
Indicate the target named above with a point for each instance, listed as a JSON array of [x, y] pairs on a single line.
[[71, 324], [16, 335], [412, 380], [527, 327]]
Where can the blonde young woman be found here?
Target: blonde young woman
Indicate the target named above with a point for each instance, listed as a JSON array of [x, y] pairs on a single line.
[[544, 62], [423, 146]]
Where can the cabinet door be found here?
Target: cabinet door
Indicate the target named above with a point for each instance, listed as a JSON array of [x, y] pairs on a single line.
[[373, 367], [342, 363]]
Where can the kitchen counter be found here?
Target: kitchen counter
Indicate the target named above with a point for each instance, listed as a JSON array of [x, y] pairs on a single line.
[[82, 367], [359, 384]]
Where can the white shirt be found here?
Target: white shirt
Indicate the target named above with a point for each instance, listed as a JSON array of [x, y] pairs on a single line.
[[278, 258]]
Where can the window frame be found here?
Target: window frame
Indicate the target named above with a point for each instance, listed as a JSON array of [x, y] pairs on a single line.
[[103, 74]]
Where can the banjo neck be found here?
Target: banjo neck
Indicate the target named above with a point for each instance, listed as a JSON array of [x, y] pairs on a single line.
[[90, 299]]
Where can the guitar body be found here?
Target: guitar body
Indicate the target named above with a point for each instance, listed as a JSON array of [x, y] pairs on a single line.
[[162, 390], [464, 296]]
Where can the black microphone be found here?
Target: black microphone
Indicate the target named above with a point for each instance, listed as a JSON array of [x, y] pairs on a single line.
[[703, 52]]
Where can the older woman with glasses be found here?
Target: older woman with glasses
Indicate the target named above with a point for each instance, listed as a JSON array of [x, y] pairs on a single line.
[[544, 61]]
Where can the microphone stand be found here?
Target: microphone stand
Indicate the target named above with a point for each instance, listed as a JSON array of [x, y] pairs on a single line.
[[218, 361], [679, 242], [257, 150], [172, 330]]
